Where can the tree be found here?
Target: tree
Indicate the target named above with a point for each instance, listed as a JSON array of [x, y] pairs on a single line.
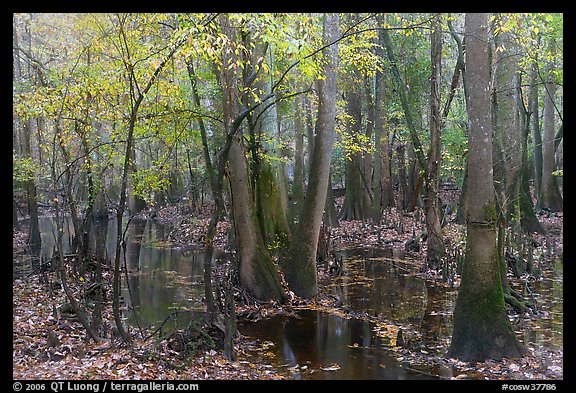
[[383, 193], [434, 241], [551, 197], [356, 200], [299, 265], [34, 240], [257, 272], [482, 329], [429, 167]]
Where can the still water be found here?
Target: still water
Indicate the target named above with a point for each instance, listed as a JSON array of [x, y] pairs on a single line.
[[377, 292]]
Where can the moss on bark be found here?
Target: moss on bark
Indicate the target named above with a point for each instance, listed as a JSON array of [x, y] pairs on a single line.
[[481, 326]]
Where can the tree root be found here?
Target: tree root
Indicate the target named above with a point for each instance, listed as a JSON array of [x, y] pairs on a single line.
[[517, 302]]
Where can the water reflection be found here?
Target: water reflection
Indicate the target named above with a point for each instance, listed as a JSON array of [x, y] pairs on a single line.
[[325, 346], [160, 278], [375, 283]]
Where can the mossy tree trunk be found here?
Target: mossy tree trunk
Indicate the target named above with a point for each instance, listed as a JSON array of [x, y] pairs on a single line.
[[269, 172], [482, 329], [258, 274]]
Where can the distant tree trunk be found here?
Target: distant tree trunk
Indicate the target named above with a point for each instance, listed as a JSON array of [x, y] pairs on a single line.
[[34, 240], [402, 191], [356, 200], [507, 125], [482, 329], [462, 200], [461, 212], [135, 203], [528, 219], [15, 223], [298, 183], [418, 151], [215, 175], [434, 241], [534, 107], [309, 135], [299, 264], [383, 193], [330, 214], [551, 197]]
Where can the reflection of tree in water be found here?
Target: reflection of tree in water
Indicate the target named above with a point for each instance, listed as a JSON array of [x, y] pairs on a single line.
[[380, 286], [161, 278]]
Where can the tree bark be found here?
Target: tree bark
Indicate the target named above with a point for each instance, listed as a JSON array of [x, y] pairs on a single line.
[[482, 329], [299, 265]]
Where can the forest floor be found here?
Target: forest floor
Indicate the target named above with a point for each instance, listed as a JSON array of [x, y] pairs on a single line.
[[47, 344]]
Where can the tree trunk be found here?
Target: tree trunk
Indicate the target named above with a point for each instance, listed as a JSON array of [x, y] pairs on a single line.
[[356, 200], [309, 135], [507, 124], [551, 197], [401, 200], [330, 215], [528, 219], [258, 274], [216, 180], [383, 192], [482, 329], [434, 241], [298, 184], [34, 240], [271, 187], [270, 206], [534, 108], [299, 264], [462, 200]]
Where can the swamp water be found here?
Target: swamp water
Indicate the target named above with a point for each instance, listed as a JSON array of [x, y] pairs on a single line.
[[376, 290]]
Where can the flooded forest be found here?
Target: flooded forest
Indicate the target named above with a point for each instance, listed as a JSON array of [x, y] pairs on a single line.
[[288, 196]]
